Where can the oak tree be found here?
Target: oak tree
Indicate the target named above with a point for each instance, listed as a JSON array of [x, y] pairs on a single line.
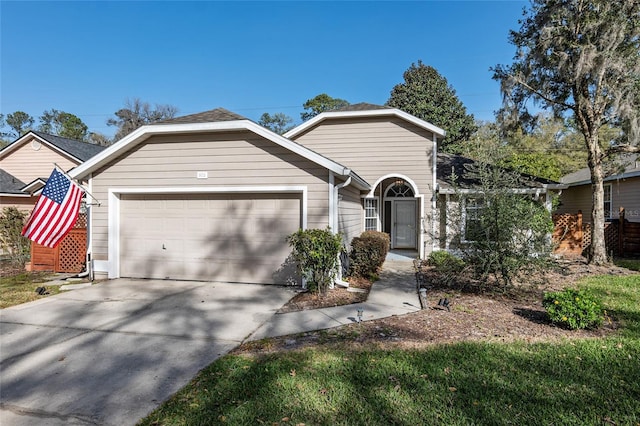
[[581, 58]]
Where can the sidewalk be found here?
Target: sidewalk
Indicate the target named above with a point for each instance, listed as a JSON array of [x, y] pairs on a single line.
[[393, 294]]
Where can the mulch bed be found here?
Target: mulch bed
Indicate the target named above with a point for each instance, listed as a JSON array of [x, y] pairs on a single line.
[[473, 316]]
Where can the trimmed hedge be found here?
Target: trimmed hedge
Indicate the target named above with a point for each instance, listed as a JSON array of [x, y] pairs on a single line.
[[368, 252]]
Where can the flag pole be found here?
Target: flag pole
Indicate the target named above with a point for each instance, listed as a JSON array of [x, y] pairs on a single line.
[[71, 179]]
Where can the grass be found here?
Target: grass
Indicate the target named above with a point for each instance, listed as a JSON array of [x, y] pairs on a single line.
[[20, 288], [577, 382]]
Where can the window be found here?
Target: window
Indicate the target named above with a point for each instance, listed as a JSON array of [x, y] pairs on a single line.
[[472, 212], [607, 201], [370, 214], [399, 189]]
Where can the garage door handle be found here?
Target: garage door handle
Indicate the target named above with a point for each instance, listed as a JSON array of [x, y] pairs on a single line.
[[163, 247]]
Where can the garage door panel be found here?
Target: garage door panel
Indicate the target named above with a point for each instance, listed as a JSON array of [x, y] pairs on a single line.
[[226, 237]]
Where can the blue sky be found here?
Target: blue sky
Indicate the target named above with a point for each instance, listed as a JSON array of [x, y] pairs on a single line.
[[88, 58]]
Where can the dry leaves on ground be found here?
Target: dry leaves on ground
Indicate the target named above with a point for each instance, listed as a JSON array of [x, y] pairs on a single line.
[[472, 317]]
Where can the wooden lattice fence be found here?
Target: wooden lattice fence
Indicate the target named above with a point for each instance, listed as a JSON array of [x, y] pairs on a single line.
[[68, 256], [573, 237]]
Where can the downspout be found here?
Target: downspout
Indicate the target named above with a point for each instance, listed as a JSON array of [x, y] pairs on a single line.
[[339, 281], [433, 197]]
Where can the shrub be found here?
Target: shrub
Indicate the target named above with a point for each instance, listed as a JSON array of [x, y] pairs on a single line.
[[11, 240], [574, 309], [316, 251], [444, 262], [368, 252]]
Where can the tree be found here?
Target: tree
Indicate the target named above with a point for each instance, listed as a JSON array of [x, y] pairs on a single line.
[[278, 122], [136, 114], [20, 122], [580, 57], [99, 139], [321, 103], [427, 95], [11, 240], [3, 135], [63, 124]]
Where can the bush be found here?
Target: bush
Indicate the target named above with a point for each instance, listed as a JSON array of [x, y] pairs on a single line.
[[316, 252], [368, 252], [574, 309], [11, 240], [445, 263]]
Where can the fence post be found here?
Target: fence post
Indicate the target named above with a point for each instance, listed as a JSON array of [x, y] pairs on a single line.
[[621, 232], [580, 233]]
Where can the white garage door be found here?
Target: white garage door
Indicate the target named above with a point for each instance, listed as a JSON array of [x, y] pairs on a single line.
[[228, 237]]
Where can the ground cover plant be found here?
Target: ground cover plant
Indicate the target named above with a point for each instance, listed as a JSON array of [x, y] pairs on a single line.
[[504, 363]]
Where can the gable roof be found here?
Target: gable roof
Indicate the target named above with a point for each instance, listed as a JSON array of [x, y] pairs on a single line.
[[364, 110], [456, 167], [201, 122], [77, 150], [218, 114], [10, 185], [630, 167]]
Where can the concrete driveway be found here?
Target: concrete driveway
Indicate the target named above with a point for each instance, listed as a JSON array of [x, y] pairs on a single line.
[[111, 353]]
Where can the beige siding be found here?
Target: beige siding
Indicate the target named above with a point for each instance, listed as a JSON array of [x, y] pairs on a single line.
[[230, 159], [624, 193], [350, 214], [374, 147], [27, 163]]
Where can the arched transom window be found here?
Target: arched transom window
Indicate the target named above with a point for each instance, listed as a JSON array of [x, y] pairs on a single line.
[[399, 190]]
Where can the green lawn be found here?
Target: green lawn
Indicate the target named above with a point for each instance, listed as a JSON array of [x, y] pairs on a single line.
[[20, 288], [579, 382]]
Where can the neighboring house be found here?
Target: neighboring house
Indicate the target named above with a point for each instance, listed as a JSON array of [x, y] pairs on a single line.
[[621, 189], [214, 195], [26, 163]]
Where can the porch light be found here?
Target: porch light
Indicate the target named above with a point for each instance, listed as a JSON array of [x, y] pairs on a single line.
[[360, 312], [399, 182]]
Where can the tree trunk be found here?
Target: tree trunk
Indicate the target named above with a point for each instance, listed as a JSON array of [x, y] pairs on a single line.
[[597, 249]]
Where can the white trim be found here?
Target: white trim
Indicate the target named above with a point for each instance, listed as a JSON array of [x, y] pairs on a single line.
[[369, 113], [434, 204], [113, 265], [407, 179], [332, 204], [143, 133], [8, 194], [610, 200]]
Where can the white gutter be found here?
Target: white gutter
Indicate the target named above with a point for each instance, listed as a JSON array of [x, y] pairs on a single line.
[[433, 199], [339, 281]]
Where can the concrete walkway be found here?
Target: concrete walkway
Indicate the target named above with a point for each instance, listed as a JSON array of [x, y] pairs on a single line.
[[393, 294]]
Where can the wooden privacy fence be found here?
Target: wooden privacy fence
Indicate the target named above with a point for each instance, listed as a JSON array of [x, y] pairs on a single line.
[[68, 256], [573, 237]]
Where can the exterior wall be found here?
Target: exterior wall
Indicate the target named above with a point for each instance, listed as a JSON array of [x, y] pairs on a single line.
[[350, 214], [232, 159], [21, 203], [374, 147], [624, 193], [377, 147], [27, 164]]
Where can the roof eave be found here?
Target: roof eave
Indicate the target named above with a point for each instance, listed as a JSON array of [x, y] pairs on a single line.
[[367, 113], [145, 132], [13, 145]]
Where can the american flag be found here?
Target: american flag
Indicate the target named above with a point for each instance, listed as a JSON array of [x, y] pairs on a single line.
[[55, 212]]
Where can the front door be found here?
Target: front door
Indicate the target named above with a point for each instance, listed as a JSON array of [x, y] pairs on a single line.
[[404, 224]]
